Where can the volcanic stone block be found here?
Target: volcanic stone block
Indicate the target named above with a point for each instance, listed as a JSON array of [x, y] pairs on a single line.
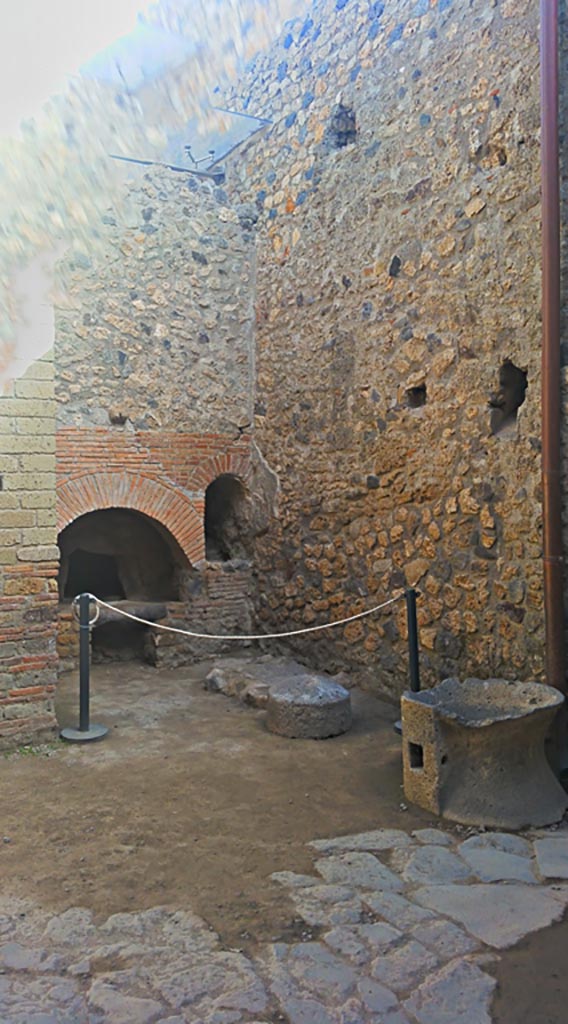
[[308, 707], [473, 752]]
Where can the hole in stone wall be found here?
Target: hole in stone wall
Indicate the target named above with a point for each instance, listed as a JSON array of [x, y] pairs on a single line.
[[225, 519], [416, 755], [415, 397], [341, 129], [118, 419], [509, 398]]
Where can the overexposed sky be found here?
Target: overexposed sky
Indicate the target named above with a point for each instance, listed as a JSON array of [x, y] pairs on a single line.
[[42, 42]]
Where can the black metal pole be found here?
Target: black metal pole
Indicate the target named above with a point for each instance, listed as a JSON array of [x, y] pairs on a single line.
[[84, 662], [86, 731], [414, 663]]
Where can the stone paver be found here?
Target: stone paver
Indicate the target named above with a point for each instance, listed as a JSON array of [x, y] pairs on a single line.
[[327, 904], [444, 938], [503, 841], [360, 869], [348, 943], [552, 857], [361, 943], [499, 916], [396, 909], [380, 839], [495, 866], [122, 1009], [432, 836], [294, 881], [459, 992], [430, 864], [376, 997], [403, 968], [404, 936]]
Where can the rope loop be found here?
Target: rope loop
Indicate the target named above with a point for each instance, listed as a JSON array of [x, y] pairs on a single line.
[[75, 608]]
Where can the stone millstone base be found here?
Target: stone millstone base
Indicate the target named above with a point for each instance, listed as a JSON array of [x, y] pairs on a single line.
[[308, 707]]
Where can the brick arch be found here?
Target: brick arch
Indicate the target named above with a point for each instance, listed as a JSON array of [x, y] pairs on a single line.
[[94, 491], [235, 463]]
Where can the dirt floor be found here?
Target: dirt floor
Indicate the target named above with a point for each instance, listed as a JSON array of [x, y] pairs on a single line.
[[190, 802]]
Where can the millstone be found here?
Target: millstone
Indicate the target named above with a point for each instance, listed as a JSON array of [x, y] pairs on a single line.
[[308, 707]]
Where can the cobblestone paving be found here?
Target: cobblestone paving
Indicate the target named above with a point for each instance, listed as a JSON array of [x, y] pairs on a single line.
[[398, 930]]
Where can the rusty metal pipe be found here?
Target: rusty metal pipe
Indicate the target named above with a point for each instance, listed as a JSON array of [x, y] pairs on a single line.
[[551, 489]]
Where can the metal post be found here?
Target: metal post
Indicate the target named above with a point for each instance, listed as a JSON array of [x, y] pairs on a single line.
[[412, 621], [413, 657], [84, 662], [86, 732]]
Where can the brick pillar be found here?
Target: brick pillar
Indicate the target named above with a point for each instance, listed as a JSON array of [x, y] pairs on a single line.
[[28, 557]]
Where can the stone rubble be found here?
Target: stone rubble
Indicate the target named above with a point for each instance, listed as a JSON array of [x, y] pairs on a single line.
[[392, 946]]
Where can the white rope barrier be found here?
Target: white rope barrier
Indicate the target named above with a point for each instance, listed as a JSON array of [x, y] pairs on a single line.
[[253, 636]]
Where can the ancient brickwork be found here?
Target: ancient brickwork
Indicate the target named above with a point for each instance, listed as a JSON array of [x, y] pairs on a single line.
[[218, 601], [398, 274], [28, 557], [162, 474]]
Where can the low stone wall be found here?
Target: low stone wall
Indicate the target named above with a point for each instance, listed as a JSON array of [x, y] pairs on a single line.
[[221, 603]]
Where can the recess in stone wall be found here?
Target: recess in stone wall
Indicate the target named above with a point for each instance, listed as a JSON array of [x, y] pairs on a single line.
[[117, 554], [225, 519], [341, 129], [509, 398], [120, 555], [416, 396]]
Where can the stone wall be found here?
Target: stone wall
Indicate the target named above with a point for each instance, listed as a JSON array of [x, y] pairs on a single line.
[[156, 329], [398, 276], [364, 289], [154, 381], [28, 557], [56, 178]]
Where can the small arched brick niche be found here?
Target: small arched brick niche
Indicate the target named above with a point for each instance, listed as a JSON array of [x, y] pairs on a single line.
[[227, 519], [119, 554]]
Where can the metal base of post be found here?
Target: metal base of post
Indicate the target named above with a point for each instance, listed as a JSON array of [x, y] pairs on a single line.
[[90, 735]]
